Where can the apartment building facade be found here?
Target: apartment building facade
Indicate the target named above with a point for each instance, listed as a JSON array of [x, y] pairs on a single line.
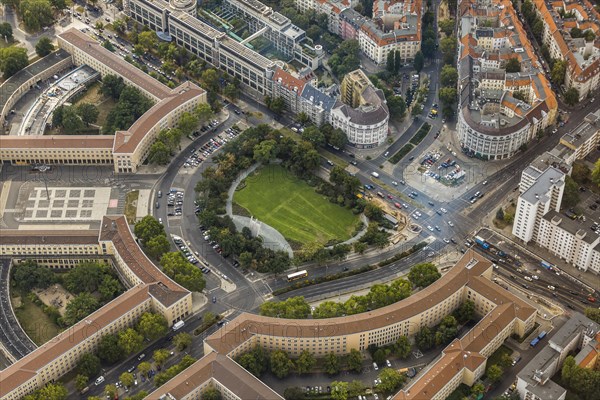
[[559, 18], [493, 121], [463, 361]]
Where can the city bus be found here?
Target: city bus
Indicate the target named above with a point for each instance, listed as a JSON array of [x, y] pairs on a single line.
[[297, 275]]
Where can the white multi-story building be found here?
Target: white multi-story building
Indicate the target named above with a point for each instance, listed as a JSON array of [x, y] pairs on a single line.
[[543, 195]]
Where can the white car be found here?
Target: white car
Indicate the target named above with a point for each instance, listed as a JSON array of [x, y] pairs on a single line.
[[430, 228], [443, 210], [446, 240], [450, 223], [394, 183]]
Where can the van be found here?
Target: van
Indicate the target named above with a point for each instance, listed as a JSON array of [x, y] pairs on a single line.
[[99, 380], [375, 367]]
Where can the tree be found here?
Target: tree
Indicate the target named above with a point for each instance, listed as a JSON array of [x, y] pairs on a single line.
[[88, 113], [231, 91], [110, 391], [593, 314], [36, 14], [112, 86], [418, 61], [152, 325], [538, 28], [313, 135], [466, 311], [148, 228], [339, 390], [494, 373], [159, 154], [6, 31], [576, 33], [130, 341], [211, 394], [379, 356], [109, 350], [81, 382], [88, 365], [182, 341], [281, 364], [448, 46], [85, 277], [428, 48], [293, 393], [305, 362], [71, 122], [188, 123], [402, 347], [390, 380], [160, 356], [423, 275], [424, 338], [449, 76], [513, 65], [127, 379], [580, 173], [559, 69], [265, 151], [448, 95], [596, 173], [204, 113], [572, 96], [157, 246], [53, 391], [277, 105], [12, 60], [355, 360], [28, 275], [144, 367], [477, 389], [181, 271], [332, 364], [589, 35], [391, 62], [148, 40], [571, 193], [447, 26], [44, 46], [80, 307], [446, 331]]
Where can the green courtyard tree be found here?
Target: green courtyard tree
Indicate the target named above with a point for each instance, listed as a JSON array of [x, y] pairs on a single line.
[[12, 60], [112, 85], [182, 341], [130, 341], [44, 46], [88, 365], [424, 338], [331, 364], [281, 365], [211, 394], [88, 113], [513, 65], [446, 331], [80, 307], [466, 311], [305, 362], [152, 325], [28, 275], [423, 275]]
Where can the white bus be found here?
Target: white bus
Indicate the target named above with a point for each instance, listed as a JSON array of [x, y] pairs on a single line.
[[297, 275], [178, 325]]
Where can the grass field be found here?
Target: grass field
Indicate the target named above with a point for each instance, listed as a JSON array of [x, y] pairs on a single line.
[[36, 324], [288, 204]]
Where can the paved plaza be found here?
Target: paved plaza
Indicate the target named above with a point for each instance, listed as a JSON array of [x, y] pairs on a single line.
[[66, 204]]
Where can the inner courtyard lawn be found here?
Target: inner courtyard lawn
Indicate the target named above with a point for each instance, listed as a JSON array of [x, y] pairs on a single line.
[[278, 198]]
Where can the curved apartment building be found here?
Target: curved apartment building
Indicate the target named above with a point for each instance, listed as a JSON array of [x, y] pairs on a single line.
[[499, 112]]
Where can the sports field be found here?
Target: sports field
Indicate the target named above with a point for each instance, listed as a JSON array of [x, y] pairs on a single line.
[[288, 204]]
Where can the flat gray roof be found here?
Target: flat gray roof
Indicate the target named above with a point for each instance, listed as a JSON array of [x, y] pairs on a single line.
[[537, 192]]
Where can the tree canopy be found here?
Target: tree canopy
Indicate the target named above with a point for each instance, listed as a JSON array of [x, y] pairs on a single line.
[[12, 60], [44, 46], [423, 275]]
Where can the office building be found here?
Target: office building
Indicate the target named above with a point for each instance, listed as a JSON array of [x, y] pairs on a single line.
[[149, 290], [499, 112]]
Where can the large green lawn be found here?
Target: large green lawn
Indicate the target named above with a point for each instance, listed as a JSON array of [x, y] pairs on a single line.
[[288, 204]]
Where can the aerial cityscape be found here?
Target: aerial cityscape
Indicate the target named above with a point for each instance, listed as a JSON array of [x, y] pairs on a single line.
[[300, 199]]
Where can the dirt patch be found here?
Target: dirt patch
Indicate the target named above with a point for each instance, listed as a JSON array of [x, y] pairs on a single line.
[[443, 11], [55, 296], [131, 200]]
